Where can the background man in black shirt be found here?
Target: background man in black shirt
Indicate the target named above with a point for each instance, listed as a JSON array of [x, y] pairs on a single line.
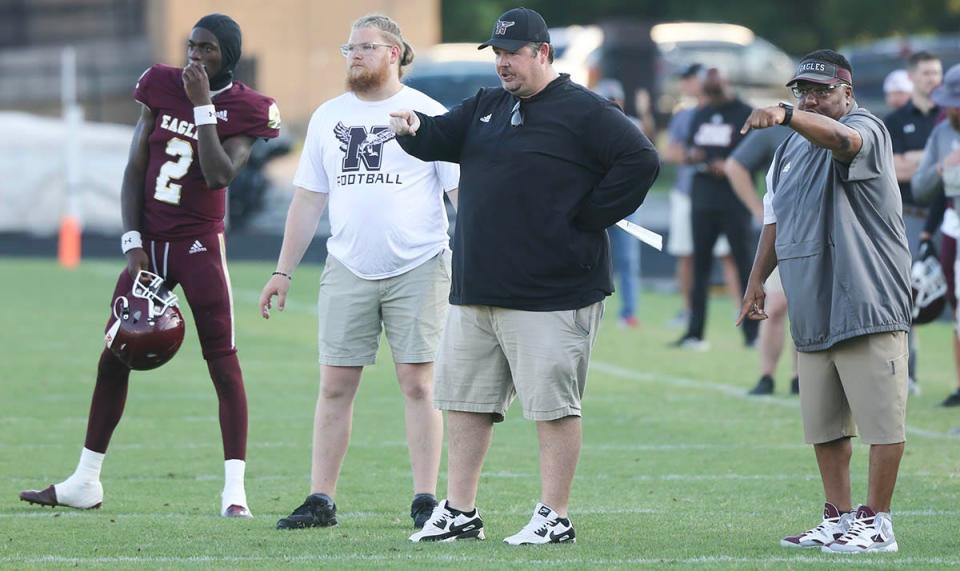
[[714, 133], [909, 127], [546, 166]]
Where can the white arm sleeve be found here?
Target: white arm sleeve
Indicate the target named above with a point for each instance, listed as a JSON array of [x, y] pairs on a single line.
[[769, 217]]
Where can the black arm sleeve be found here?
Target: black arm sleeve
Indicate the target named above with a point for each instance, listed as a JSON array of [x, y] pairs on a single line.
[[441, 138], [631, 165], [935, 215]]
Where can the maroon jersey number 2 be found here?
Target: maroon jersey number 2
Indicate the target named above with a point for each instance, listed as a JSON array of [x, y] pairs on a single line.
[[181, 157]]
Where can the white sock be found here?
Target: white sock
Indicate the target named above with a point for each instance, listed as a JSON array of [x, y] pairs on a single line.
[[233, 490], [82, 489], [88, 469]]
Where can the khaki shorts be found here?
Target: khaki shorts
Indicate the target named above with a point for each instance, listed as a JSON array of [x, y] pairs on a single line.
[[858, 383], [411, 307], [491, 354]]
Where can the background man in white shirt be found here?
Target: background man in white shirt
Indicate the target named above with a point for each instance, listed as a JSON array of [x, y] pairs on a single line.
[[388, 262]]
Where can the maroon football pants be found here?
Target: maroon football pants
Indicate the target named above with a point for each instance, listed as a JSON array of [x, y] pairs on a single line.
[[199, 267]]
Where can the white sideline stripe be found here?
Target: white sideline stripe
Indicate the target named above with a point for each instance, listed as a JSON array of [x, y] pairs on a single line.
[[731, 391], [429, 555], [196, 445], [69, 513], [506, 476]]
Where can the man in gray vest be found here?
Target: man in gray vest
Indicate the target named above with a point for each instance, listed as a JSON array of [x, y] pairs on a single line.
[[833, 224]]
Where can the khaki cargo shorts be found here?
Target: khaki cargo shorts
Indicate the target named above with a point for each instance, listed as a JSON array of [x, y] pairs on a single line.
[[489, 355], [857, 383], [411, 308]]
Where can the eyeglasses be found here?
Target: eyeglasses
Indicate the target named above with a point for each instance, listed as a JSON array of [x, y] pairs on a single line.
[[819, 91], [365, 48], [516, 117]]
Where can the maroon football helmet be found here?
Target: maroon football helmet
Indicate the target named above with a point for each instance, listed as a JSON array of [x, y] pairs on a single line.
[[148, 327]]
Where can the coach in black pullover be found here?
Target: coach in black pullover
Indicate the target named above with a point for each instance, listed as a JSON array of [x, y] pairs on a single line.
[[539, 184], [545, 167]]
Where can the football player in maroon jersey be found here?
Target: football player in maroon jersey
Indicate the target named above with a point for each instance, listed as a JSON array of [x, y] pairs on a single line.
[[195, 131]]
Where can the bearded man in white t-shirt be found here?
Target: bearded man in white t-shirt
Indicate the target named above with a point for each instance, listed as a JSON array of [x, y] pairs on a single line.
[[388, 262]]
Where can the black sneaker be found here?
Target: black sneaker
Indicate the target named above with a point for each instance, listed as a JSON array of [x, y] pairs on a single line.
[[953, 399], [421, 508], [318, 510], [764, 386], [795, 386]]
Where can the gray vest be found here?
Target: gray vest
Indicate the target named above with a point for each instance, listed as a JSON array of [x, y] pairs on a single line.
[[841, 244]]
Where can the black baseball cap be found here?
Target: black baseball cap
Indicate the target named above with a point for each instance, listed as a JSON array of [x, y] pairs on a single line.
[[822, 72], [517, 28]]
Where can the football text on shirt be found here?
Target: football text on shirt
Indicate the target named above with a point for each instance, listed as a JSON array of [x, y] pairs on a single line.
[[363, 147]]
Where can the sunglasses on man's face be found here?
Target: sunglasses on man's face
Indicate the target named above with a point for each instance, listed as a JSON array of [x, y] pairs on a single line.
[[818, 91]]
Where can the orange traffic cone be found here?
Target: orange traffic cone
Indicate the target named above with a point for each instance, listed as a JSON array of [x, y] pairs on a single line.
[[68, 251]]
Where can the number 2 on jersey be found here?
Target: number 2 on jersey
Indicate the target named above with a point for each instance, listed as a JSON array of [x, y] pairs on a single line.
[[182, 153]]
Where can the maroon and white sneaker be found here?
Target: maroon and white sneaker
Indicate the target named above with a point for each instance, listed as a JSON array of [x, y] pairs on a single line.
[[869, 533], [237, 511], [833, 526]]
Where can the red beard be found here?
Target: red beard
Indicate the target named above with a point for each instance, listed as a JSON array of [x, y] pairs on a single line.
[[362, 79]]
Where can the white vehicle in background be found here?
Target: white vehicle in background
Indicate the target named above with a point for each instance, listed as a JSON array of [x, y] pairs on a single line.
[[644, 56], [577, 51], [756, 68]]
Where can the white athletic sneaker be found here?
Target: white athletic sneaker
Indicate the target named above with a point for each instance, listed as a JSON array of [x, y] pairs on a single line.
[[546, 526], [833, 526], [869, 532], [443, 525]]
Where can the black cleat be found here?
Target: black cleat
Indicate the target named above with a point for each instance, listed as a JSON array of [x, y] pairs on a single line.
[[795, 386], [318, 510], [953, 399], [421, 508], [764, 386]]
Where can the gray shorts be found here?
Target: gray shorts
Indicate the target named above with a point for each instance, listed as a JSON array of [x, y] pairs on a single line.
[[489, 355], [411, 308]]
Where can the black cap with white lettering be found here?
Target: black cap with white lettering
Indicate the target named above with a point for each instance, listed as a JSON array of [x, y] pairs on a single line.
[[822, 72], [517, 28]]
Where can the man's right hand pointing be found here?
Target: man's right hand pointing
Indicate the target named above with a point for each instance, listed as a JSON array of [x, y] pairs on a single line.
[[404, 122]]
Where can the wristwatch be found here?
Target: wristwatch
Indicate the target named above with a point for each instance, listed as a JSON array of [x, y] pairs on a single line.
[[787, 113]]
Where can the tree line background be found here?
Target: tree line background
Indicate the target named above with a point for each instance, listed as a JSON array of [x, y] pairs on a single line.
[[797, 27]]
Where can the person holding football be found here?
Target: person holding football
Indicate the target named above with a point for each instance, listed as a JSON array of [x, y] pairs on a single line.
[[194, 134]]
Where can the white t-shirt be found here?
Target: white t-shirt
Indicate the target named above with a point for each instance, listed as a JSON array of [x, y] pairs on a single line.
[[386, 207]]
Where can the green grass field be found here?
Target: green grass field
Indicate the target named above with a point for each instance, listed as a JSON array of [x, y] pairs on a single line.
[[679, 468]]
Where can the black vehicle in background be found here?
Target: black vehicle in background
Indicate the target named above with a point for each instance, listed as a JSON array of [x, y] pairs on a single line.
[[450, 73]]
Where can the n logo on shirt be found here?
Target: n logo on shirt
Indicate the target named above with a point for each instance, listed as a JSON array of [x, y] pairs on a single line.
[[362, 146]]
